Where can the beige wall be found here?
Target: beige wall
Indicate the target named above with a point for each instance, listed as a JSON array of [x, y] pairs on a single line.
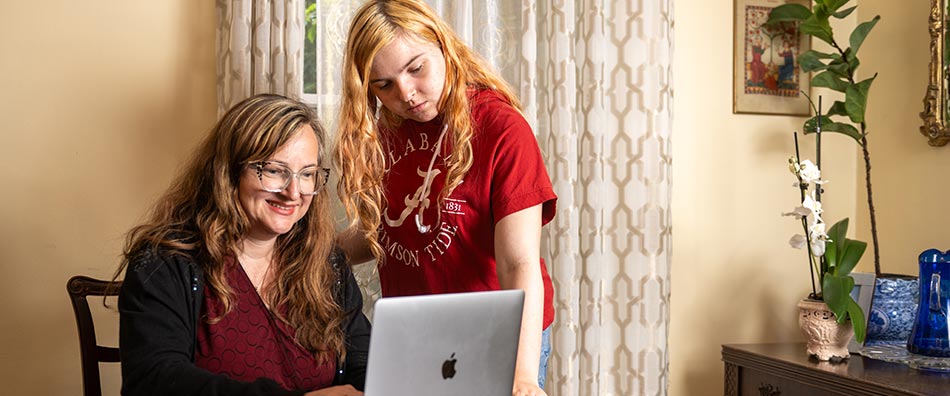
[[99, 102], [735, 280], [911, 192]]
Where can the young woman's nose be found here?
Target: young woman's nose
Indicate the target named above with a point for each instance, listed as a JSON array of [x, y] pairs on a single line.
[[406, 90]]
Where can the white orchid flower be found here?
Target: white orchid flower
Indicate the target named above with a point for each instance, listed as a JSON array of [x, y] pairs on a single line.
[[798, 241], [818, 247], [816, 237], [817, 231], [814, 206], [809, 173], [800, 212]]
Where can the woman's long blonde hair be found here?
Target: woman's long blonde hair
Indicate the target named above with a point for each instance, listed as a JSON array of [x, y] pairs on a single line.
[[200, 217], [360, 153]]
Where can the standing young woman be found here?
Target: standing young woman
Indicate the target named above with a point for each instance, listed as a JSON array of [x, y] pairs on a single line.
[[444, 182]]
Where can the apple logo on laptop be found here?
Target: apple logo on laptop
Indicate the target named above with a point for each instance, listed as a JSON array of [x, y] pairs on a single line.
[[448, 367]]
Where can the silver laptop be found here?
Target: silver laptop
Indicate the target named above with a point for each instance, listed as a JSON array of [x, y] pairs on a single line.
[[446, 344]]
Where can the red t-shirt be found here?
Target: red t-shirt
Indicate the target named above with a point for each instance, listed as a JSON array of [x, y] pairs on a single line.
[[250, 342], [452, 249]]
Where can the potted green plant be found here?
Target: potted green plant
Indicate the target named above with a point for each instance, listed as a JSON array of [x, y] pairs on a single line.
[[830, 315], [895, 296], [836, 70]]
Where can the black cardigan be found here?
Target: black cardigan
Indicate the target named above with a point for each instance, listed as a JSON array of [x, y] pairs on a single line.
[[159, 305]]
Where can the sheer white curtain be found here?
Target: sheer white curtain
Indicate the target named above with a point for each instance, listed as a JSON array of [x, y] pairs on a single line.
[[598, 80], [259, 49], [595, 78]]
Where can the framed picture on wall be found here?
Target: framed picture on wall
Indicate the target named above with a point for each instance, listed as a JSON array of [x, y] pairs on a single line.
[[766, 76]]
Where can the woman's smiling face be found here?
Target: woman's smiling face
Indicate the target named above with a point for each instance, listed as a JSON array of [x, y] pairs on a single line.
[[408, 77], [272, 214]]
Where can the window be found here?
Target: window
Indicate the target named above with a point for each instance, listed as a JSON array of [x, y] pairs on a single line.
[[326, 26]]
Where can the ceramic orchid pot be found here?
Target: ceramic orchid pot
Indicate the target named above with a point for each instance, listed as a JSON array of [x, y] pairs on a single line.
[[825, 338]]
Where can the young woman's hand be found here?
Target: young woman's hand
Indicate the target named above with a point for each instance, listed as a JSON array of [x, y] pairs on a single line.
[[527, 387], [355, 245], [340, 390]]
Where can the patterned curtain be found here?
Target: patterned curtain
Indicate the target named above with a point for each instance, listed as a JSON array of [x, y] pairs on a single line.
[[259, 49], [595, 79], [600, 85]]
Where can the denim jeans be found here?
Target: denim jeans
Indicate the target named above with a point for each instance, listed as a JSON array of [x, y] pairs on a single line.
[[545, 354]]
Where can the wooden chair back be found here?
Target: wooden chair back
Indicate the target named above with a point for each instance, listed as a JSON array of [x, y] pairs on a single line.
[[91, 353]]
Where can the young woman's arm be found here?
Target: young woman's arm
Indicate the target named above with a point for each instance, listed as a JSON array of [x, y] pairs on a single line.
[[355, 245], [517, 257]]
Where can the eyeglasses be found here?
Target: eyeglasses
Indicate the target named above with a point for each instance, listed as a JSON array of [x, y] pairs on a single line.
[[275, 177]]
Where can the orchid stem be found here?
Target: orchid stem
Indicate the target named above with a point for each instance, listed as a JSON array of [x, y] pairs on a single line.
[[801, 188]]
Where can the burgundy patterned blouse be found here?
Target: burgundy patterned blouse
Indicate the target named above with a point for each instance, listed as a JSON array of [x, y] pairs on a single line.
[[250, 342]]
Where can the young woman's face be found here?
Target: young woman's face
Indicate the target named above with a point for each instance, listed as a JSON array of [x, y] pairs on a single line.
[[408, 77], [275, 213]]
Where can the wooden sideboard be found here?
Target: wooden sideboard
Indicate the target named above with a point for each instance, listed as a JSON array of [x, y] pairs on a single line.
[[786, 370]]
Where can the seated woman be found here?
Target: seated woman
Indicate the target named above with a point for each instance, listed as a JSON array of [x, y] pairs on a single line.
[[233, 285]]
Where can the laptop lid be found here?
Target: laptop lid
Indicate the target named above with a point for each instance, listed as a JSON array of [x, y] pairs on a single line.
[[445, 344]]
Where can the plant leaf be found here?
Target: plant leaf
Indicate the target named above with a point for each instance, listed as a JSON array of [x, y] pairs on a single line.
[[844, 13], [834, 5], [833, 248], [821, 10], [837, 108], [831, 253], [811, 125], [788, 13], [839, 68], [831, 256], [827, 125], [842, 128], [811, 61], [817, 27], [839, 230], [849, 257], [825, 55], [858, 321], [856, 99], [836, 292], [860, 33], [829, 80]]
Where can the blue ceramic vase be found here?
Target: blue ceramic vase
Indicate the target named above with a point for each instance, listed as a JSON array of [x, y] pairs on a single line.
[[893, 307], [931, 333]]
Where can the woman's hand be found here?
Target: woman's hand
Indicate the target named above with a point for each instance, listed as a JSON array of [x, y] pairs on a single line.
[[341, 390], [527, 388]]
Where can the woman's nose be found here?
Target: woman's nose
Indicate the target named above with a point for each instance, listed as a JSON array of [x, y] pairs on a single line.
[[293, 188], [406, 91]]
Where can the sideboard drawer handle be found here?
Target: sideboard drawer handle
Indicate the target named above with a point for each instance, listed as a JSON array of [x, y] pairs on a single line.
[[769, 390]]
